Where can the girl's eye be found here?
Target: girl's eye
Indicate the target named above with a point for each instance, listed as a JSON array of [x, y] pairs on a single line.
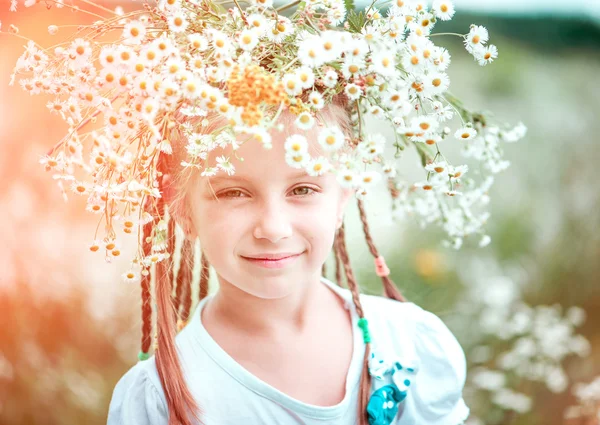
[[234, 193], [303, 191]]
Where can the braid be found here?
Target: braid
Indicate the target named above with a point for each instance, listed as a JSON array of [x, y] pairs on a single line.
[[365, 379], [204, 277], [338, 262], [145, 286], [187, 282], [390, 289], [184, 278]]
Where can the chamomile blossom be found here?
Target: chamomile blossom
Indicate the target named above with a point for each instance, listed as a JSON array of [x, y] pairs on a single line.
[[439, 167], [177, 21], [134, 32], [258, 23], [368, 179], [310, 53], [318, 166], [384, 63], [436, 83], [331, 138], [248, 39], [305, 121], [197, 42], [297, 159], [347, 178], [315, 100], [478, 36], [353, 91], [330, 79], [306, 76], [443, 9], [465, 133], [292, 84], [223, 163], [486, 54], [456, 173], [220, 41], [296, 143]]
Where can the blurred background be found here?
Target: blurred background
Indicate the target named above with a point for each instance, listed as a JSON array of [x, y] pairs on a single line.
[[526, 308]]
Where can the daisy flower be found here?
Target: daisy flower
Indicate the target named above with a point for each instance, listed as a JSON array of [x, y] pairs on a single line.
[[177, 21], [318, 166], [330, 45], [248, 39], [443, 9], [306, 77], [279, 31], [353, 91], [173, 67], [191, 88], [220, 41], [150, 108], [437, 167], [296, 143], [164, 46], [424, 123], [347, 178], [486, 54], [81, 188], [465, 133], [310, 53], [305, 121], [431, 138], [209, 172], [351, 67], [150, 55], [263, 136], [478, 35], [440, 58], [456, 173], [224, 164], [315, 99], [331, 138], [330, 79], [368, 178], [297, 159], [197, 42], [258, 23], [134, 32], [357, 48], [384, 63], [429, 185], [292, 84], [436, 83], [125, 56], [131, 276]]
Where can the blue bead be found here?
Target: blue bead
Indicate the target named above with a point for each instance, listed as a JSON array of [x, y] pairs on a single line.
[[407, 382]]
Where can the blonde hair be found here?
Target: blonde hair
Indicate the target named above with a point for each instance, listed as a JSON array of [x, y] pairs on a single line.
[[173, 311]]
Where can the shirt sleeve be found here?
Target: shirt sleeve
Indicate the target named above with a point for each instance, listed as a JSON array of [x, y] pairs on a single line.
[[136, 400], [437, 391]]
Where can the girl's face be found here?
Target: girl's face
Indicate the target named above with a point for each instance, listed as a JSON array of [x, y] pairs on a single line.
[[265, 209]]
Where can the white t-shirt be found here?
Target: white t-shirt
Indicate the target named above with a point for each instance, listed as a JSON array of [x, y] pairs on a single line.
[[228, 394]]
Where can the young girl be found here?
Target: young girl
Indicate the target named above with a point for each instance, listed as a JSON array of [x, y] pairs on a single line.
[[278, 343]]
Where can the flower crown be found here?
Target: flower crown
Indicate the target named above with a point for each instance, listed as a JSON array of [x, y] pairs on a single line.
[[197, 59]]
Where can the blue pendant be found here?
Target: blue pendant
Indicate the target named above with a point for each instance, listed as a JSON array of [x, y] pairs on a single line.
[[383, 404]]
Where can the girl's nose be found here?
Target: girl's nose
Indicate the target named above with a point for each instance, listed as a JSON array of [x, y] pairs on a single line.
[[273, 222]]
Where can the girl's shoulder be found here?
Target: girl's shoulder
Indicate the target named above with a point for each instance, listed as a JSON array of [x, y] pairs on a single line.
[[138, 397], [414, 348]]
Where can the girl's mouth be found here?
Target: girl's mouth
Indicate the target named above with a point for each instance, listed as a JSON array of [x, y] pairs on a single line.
[[273, 263]]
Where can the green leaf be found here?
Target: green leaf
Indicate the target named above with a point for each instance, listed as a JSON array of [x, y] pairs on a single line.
[[349, 4], [356, 21]]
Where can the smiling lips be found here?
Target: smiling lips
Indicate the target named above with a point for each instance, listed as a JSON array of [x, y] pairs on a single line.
[[273, 261]]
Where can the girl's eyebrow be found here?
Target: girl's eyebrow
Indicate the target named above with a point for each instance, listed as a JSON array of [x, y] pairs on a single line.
[[233, 178]]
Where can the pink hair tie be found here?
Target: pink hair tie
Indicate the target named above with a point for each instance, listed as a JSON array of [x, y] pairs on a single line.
[[380, 267]]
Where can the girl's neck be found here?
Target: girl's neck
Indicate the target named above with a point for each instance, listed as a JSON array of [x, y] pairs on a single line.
[[272, 319]]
